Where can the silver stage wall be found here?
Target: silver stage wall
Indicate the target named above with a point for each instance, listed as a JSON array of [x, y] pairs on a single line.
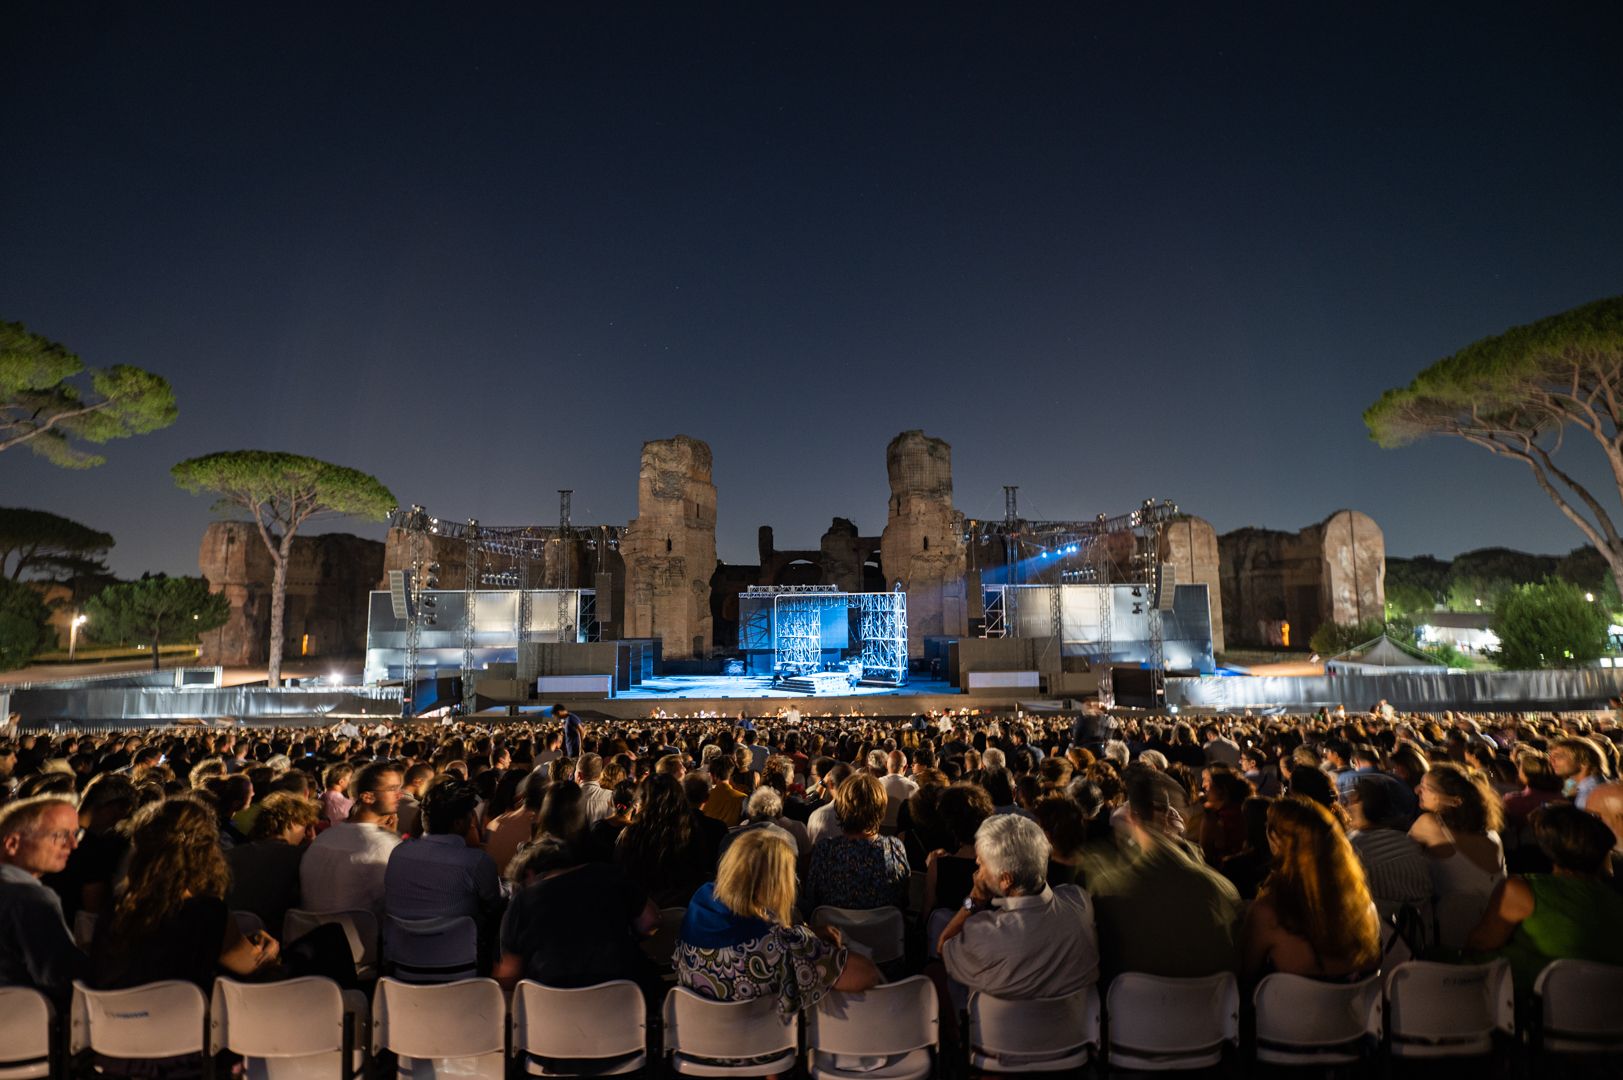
[[1484, 691], [90, 705], [495, 624], [1186, 630]]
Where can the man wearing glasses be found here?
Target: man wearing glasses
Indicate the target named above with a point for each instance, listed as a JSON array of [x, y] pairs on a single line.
[[36, 837]]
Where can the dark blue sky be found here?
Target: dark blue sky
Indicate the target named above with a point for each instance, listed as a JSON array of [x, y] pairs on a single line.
[[485, 250]]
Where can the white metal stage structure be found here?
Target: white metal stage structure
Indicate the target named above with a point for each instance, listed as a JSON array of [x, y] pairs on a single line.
[[1061, 553], [801, 624], [495, 555]]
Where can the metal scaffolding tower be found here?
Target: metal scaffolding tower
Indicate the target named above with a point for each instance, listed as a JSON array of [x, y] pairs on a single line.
[[470, 596], [882, 622], [504, 556], [797, 622]]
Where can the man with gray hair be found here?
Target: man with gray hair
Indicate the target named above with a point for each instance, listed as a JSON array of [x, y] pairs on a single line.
[[1015, 936], [36, 837], [763, 811]]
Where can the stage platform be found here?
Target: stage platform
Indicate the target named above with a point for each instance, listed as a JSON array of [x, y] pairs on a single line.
[[754, 695]]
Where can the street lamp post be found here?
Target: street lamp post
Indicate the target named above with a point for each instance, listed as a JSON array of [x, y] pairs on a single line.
[[73, 633]]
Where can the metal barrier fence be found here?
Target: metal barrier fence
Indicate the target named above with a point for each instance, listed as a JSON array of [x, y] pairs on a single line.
[[1482, 691]]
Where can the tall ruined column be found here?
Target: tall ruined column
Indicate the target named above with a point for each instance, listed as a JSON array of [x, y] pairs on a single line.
[[922, 546], [670, 548], [1191, 551]]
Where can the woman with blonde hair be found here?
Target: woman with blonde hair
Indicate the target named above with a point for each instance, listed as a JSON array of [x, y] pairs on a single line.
[[739, 941], [1313, 915]]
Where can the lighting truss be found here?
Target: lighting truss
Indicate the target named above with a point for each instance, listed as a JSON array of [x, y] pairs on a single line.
[[996, 598]]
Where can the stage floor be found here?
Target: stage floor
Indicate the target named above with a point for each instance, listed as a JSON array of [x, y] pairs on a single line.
[[712, 687], [753, 695]]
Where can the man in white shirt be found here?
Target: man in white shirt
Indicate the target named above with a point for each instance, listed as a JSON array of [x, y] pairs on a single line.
[[1014, 936], [597, 800], [343, 869], [823, 821], [898, 786]]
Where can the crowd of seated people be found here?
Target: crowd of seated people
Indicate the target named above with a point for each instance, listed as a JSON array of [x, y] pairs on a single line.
[[1037, 855]]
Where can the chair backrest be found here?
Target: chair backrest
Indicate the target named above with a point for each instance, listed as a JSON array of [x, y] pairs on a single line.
[[432, 950], [84, 928], [890, 1019], [882, 931], [360, 927], [25, 1033], [464, 1021], [158, 1020], [1033, 1029], [662, 946], [1161, 1022], [247, 922], [1581, 1003], [699, 1027], [595, 1022], [294, 1018], [915, 891], [1302, 1013], [1445, 1009]]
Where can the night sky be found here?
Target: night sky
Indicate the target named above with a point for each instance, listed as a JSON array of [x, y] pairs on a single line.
[[484, 251]]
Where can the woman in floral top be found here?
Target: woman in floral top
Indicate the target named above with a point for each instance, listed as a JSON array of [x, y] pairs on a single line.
[[738, 941], [859, 869]]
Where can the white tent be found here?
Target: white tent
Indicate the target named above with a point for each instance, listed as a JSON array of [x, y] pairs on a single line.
[[1383, 656]]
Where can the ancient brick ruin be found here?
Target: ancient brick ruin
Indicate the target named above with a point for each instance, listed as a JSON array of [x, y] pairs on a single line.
[[669, 548], [328, 579], [1279, 587], [922, 549]]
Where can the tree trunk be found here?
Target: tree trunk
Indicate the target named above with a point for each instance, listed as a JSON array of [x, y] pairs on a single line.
[[278, 609], [155, 640]]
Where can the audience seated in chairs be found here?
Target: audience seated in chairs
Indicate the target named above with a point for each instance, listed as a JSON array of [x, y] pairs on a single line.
[[1313, 915], [859, 868], [573, 923], [740, 941], [1568, 914], [1015, 936], [345, 866]]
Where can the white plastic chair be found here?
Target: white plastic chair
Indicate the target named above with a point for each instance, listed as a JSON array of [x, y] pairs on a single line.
[[593, 1031], [1304, 1021], [360, 927], [885, 1033], [1035, 1035], [26, 1023], [298, 1029], [881, 931], [448, 1029], [1581, 1007], [158, 1020], [1448, 1010], [702, 1035], [432, 950], [248, 923], [662, 946], [1159, 1023]]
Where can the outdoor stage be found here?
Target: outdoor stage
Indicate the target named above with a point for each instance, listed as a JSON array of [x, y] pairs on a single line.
[[679, 696]]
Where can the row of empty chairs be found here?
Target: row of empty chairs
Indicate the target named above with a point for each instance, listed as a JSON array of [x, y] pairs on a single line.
[[307, 1028]]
